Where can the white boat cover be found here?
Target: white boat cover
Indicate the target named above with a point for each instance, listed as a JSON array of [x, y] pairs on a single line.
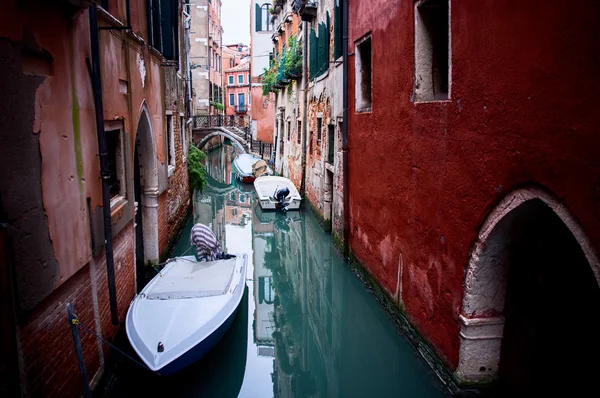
[[191, 279], [266, 187]]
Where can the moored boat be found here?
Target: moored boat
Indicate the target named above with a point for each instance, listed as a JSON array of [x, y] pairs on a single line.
[[248, 167], [185, 310], [269, 190]]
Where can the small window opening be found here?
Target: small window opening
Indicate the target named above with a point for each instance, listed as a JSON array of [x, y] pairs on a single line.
[[299, 135], [170, 142], [330, 143], [113, 143], [319, 128], [432, 72], [289, 130], [364, 73]]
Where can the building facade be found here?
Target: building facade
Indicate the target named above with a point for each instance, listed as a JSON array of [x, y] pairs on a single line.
[[480, 153], [261, 29], [306, 76], [206, 36], [58, 68], [237, 90]]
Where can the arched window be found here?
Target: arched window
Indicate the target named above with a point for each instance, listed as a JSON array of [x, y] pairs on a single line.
[[266, 24]]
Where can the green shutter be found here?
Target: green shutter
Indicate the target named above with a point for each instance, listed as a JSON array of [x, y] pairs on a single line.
[[337, 31], [313, 53], [258, 18], [327, 43], [323, 44]]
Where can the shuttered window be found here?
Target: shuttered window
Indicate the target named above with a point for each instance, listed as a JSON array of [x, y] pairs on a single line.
[[337, 30], [257, 18], [163, 27], [319, 49]]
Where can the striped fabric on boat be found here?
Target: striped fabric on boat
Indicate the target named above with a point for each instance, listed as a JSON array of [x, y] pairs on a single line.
[[207, 245]]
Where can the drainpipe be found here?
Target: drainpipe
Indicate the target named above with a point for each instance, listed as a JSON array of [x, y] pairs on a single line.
[[345, 148], [304, 99], [94, 69], [187, 70]]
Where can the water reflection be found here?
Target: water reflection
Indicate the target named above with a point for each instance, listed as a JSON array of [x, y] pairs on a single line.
[[313, 320], [311, 329]]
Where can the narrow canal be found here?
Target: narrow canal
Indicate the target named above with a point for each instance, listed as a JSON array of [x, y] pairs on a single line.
[[307, 326]]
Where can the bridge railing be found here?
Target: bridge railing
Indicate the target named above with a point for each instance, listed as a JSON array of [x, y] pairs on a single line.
[[206, 121]]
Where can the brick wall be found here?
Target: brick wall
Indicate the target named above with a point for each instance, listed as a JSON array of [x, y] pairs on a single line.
[[49, 364]]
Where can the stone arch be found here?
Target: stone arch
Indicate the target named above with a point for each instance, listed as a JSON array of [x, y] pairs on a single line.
[[147, 188], [234, 139], [482, 317]]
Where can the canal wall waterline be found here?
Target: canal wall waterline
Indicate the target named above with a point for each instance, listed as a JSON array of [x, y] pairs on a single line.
[[397, 313]]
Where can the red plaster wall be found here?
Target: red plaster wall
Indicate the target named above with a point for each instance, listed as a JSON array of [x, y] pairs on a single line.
[[423, 177]]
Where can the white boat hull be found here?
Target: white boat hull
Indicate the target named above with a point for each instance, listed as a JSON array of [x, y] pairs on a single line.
[[267, 186], [186, 309]]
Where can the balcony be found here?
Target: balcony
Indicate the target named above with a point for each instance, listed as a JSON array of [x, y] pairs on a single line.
[[241, 108], [307, 9]]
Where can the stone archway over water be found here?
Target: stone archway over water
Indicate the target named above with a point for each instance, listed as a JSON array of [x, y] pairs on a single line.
[[146, 192], [532, 292]]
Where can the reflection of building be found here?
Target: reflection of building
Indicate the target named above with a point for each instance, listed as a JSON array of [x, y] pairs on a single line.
[[264, 296]]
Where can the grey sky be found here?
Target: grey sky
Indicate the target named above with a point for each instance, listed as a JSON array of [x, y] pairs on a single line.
[[235, 19]]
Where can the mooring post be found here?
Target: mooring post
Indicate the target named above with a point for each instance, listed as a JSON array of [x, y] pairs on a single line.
[[75, 332]]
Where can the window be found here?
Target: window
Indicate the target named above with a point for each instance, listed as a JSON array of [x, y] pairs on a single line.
[[115, 163], [432, 50], [330, 143], [289, 130], [170, 144], [338, 16], [240, 79], [163, 27], [231, 99], [230, 80], [183, 135], [242, 101], [319, 128], [299, 131], [319, 49], [363, 78], [263, 18], [310, 140]]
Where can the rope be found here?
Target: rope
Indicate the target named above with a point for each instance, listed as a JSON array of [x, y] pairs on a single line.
[[75, 321], [161, 265]]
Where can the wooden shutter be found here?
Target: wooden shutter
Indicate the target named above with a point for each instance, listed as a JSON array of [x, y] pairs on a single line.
[[257, 17], [313, 53], [337, 30]]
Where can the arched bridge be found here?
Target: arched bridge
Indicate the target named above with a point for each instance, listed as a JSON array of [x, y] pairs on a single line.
[[202, 136]]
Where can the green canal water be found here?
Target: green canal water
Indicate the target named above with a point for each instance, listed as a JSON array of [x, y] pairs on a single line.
[[307, 326]]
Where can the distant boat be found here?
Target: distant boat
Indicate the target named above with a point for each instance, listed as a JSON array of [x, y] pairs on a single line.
[[267, 189], [248, 167], [184, 311]]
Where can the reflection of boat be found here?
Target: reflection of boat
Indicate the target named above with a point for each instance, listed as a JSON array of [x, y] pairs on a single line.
[[267, 189], [184, 311], [248, 167]]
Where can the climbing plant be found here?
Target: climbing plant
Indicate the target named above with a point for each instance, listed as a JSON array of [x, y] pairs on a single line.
[[196, 170]]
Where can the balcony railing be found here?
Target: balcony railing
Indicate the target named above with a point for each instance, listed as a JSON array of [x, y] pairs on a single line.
[[307, 9], [241, 109]]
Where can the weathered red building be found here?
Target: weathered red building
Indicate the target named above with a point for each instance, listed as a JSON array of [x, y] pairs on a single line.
[[475, 179], [53, 246]]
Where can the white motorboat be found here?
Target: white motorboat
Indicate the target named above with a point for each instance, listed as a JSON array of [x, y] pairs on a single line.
[[185, 310], [248, 167], [267, 189]]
